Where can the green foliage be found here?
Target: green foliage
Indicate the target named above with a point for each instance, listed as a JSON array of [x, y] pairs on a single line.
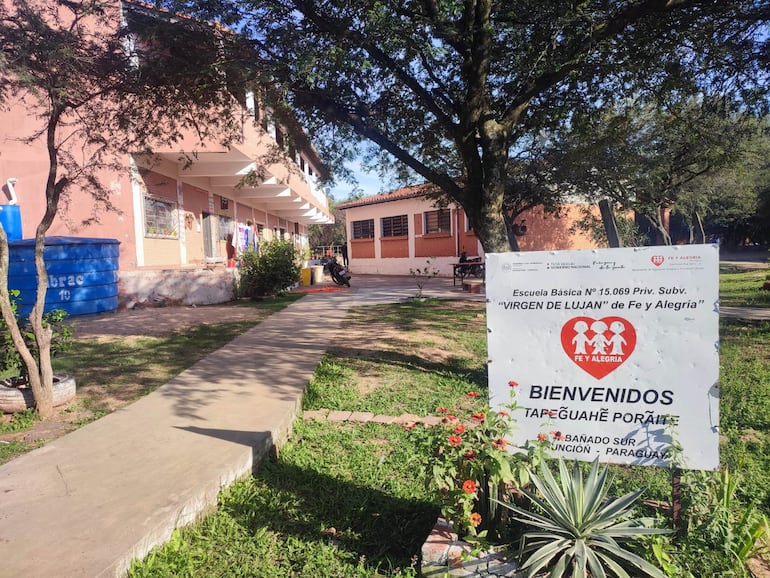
[[716, 520], [11, 364], [578, 529], [465, 98], [270, 271], [19, 421], [472, 467]]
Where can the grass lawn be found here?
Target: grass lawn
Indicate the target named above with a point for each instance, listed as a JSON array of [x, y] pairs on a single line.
[[740, 288], [351, 499], [113, 372]]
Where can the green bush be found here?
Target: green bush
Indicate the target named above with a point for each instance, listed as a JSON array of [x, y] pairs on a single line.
[[11, 364], [270, 271]]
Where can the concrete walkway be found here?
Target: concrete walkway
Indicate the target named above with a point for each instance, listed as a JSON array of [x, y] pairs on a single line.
[[88, 503]]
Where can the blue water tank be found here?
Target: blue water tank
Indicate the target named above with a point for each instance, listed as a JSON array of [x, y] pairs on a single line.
[[82, 274], [10, 218]]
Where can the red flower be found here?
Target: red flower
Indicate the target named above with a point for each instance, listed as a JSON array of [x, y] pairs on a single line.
[[499, 444], [450, 418], [442, 409], [470, 455], [502, 413], [459, 429], [513, 383], [479, 416], [475, 519], [551, 413], [469, 486], [558, 436], [455, 441], [410, 425], [541, 437], [472, 394]]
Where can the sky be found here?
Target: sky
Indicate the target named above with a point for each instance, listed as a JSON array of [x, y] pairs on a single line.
[[370, 183]]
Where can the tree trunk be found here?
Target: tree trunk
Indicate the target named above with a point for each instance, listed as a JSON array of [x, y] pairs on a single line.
[[698, 234], [610, 226], [43, 396]]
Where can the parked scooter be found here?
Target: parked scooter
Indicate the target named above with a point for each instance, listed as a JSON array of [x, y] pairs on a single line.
[[338, 273]]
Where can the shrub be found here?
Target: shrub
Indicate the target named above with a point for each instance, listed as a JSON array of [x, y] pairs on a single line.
[[578, 529], [472, 468], [11, 364], [270, 271]]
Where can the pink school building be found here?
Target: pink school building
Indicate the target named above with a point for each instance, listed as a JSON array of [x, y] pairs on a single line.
[[177, 222]]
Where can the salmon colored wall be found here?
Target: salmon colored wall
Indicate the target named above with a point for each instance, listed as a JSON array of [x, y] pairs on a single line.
[[550, 233], [362, 248], [417, 224], [434, 245], [393, 247]]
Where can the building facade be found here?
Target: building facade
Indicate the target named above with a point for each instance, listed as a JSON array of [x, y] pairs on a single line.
[[393, 233], [183, 212]]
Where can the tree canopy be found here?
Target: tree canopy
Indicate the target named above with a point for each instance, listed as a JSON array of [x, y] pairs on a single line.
[[460, 92], [99, 91]]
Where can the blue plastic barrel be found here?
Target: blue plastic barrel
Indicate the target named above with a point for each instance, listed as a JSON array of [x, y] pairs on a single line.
[[10, 218], [82, 274]]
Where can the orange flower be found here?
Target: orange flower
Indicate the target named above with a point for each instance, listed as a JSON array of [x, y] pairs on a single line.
[[502, 413], [470, 455], [475, 519], [513, 383], [499, 444], [455, 441], [459, 429], [469, 486], [450, 419], [541, 437], [472, 394], [442, 409], [479, 416]]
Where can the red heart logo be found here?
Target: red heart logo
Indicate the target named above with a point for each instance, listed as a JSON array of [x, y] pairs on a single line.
[[657, 260], [598, 346]]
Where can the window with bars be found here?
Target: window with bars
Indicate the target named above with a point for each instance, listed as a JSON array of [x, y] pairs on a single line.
[[438, 221], [160, 218], [363, 229], [397, 226], [225, 227]]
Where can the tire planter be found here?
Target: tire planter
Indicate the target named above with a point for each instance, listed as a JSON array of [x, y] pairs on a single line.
[[17, 399]]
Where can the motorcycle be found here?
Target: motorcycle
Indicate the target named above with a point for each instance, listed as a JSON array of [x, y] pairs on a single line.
[[337, 272]]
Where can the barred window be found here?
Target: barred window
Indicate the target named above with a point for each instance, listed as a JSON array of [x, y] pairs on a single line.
[[395, 226], [160, 218], [363, 229], [225, 227], [438, 221]]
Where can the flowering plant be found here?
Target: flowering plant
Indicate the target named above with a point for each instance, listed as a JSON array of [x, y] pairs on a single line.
[[475, 465]]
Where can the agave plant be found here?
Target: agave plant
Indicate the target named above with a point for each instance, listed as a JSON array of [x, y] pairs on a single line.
[[578, 529]]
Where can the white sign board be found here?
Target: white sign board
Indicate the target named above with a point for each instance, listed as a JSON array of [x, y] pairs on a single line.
[[610, 351]]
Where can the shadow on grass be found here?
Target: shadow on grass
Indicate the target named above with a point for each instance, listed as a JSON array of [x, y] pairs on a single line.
[[475, 373], [300, 505]]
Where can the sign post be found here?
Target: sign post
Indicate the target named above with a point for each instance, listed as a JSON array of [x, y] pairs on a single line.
[[614, 351]]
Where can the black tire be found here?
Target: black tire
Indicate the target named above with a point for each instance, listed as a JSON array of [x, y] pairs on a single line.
[[337, 279]]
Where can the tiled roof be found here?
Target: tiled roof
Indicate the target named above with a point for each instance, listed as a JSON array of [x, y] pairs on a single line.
[[423, 190]]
